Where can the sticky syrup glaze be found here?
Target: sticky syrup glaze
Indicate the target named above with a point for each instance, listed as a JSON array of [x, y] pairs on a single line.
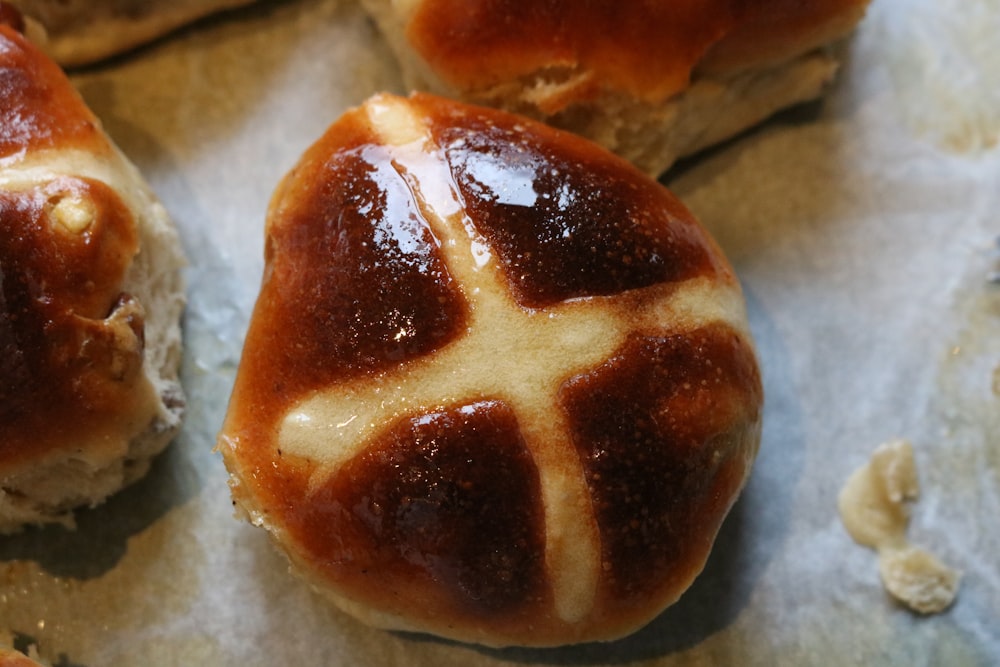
[[647, 49], [70, 340], [665, 432], [39, 108], [354, 281], [565, 218], [443, 509], [354, 285], [444, 506]]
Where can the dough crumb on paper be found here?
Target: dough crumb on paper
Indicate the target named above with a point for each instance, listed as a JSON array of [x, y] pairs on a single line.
[[918, 579], [874, 506]]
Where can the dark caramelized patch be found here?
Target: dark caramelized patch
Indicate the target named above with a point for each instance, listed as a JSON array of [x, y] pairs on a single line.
[[565, 218], [665, 431], [39, 108], [70, 341], [646, 48], [354, 282], [449, 500]]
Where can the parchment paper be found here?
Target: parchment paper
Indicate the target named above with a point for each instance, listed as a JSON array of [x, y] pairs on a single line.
[[864, 228]]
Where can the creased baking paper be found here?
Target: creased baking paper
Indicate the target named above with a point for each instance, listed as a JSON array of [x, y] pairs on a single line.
[[864, 229]]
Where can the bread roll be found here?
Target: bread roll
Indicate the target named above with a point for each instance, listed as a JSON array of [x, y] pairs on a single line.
[[652, 81], [12, 658], [498, 385], [90, 301], [81, 32]]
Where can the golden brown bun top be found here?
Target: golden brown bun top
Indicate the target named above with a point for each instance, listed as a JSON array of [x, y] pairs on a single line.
[[444, 405], [70, 340], [12, 658], [648, 49], [39, 108]]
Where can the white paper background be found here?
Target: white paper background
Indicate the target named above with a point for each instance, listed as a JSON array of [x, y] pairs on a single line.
[[864, 229]]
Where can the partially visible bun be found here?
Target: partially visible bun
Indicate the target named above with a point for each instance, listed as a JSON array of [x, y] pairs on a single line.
[[652, 81], [498, 384], [80, 32], [12, 658], [90, 301]]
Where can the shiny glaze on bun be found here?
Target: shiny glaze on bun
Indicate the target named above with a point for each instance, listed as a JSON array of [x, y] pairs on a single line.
[[498, 384]]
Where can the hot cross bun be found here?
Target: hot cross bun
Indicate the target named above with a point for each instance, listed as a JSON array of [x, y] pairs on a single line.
[[498, 384], [652, 80], [91, 296]]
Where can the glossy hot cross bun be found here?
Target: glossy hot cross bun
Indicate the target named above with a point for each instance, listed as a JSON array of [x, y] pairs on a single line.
[[91, 295], [498, 385], [653, 80]]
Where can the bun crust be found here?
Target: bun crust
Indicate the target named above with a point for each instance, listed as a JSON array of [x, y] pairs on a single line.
[[652, 81], [81, 32], [90, 301], [12, 658], [498, 384]]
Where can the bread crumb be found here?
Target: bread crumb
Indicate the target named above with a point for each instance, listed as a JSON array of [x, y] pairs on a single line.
[[874, 506], [916, 577]]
